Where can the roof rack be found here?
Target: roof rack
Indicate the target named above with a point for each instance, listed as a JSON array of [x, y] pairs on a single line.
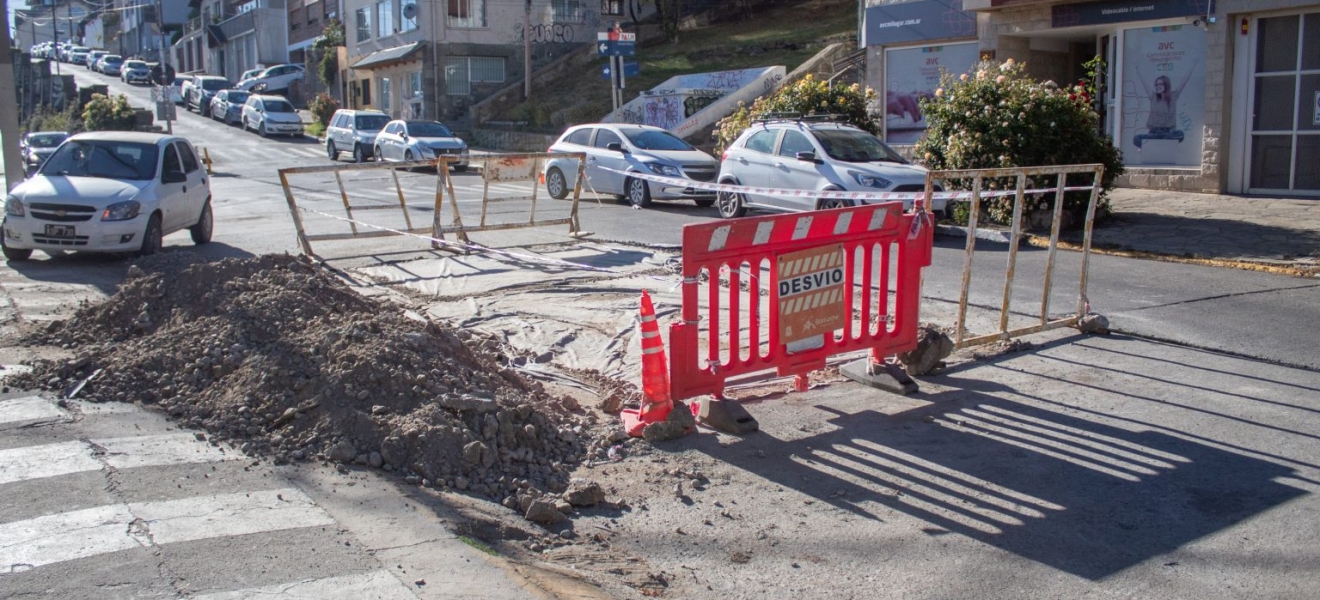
[[794, 116]]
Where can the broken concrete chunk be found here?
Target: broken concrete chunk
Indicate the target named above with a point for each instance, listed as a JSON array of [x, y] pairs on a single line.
[[582, 492], [342, 452], [544, 512]]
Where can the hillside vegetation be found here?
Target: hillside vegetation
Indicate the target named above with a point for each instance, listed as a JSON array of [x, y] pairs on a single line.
[[776, 33]]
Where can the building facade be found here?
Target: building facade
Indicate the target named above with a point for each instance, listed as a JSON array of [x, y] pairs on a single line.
[[228, 37], [1215, 96], [433, 60], [307, 21]]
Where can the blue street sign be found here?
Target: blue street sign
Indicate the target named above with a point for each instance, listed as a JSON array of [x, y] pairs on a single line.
[[621, 44], [630, 69], [625, 47]]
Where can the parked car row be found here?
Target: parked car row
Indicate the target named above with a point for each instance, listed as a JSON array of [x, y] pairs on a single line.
[[780, 153], [371, 135]]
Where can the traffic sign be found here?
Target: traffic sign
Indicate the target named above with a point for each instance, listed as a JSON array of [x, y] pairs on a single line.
[[630, 69], [611, 43], [161, 76]]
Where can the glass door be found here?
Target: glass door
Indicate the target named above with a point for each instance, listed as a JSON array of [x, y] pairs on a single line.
[[1285, 117]]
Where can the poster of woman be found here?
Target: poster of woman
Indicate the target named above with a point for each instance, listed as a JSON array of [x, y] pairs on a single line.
[[912, 74], [1163, 96]]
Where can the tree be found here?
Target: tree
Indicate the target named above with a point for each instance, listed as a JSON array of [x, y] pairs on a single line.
[[109, 114], [327, 53], [998, 116]]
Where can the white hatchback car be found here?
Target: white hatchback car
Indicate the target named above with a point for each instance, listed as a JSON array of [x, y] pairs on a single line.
[[615, 149], [271, 115], [275, 79], [110, 191], [410, 141], [808, 154]]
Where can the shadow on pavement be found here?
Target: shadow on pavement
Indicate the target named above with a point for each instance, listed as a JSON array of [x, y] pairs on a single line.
[[106, 271], [1201, 237]]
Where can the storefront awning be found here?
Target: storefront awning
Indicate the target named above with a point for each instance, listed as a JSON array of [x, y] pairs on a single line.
[[387, 56]]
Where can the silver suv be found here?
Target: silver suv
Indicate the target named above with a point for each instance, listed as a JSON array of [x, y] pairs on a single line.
[[354, 131], [614, 150], [807, 154]]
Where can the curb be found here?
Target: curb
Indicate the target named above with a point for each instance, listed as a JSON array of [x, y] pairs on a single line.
[[989, 235], [1230, 263]]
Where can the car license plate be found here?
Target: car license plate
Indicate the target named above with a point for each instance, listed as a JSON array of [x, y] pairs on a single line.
[[60, 231]]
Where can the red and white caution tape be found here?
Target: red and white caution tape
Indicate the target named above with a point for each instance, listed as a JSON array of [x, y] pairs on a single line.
[[830, 194]]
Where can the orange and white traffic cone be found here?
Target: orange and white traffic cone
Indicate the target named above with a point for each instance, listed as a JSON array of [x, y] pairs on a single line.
[[656, 403]]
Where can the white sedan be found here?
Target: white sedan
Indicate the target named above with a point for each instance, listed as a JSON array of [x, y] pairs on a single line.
[[110, 191]]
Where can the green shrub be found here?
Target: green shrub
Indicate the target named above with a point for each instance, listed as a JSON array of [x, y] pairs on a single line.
[[323, 106], [806, 96], [999, 117], [103, 113], [46, 119]]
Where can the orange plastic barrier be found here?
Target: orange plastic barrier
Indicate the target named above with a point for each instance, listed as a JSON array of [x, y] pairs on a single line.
[[829, 293]]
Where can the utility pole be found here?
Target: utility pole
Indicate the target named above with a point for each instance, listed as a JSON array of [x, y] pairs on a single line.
[[164, 67], [527, 50], [55, 37], [9, 118]]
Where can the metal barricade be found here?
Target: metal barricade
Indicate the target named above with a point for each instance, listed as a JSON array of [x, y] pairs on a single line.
[[829, 277], [1021, 176], [305, 239], [507, 168]]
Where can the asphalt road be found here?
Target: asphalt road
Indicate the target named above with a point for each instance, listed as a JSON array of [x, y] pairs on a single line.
[[1251, 314]]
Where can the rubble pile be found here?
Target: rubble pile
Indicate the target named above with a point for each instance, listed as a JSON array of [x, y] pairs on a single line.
[[278, 357]]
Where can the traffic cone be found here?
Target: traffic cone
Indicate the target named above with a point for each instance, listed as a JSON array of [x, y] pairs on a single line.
[[656, 403]]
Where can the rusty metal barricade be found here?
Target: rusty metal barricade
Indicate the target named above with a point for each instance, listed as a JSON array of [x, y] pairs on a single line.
[[1021, 176], [829, 275], [503, 169], [305, 239]]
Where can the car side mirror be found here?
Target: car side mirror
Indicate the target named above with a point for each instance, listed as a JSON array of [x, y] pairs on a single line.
[[173, 177], [807, 157], [616, 146]]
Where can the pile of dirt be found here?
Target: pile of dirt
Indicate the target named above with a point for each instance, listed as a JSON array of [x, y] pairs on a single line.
[[280, 358]]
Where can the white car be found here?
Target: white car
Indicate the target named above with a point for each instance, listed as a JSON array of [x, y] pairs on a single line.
[[615, 149], [268, 115], [811, 154], [275, 79], [411, 141], [135, 71], [110, 191]]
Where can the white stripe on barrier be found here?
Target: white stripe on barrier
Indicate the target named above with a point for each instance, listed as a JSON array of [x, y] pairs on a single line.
[[878, 219], [717, 238], [763, 230], [801, 228], [833, 194], [841, 225]]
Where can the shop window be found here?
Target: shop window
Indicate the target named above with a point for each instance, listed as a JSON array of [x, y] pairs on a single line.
[[415, 84], [1271, 161], [462, 71], [1274, 103], [385, 95], [1276, 48], [366, 91]]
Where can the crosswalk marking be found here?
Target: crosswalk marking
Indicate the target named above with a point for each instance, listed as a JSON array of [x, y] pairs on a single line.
[[377, 585], [100, 530], [64, 458], [30, 408]]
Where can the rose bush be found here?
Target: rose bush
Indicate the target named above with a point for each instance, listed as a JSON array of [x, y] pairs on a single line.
[[806, 96], [998, 116]]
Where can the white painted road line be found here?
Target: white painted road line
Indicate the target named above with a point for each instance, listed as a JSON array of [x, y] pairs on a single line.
[[159, 450], [229, 515], [63, 458], [30, 408], [376, 585], [48, 460], [83, 533], [66, 536]]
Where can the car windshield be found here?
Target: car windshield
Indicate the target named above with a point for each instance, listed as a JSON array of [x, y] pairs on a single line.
[[215, 85], [46, 140], [851, 145], [103, 158], [647, 139], [113, 59], [370, 122], [134, 64], [237, 97], [279, 106], [428, 129]]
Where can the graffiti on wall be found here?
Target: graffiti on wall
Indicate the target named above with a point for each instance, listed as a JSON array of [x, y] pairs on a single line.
[[693, 104], [664, 112], [557, 33], [632, 115]]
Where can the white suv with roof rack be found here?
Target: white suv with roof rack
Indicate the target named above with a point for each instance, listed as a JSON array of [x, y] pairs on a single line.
[[813, 154]]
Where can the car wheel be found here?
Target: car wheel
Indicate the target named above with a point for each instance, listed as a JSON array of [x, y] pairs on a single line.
[[705, 202], [201, 231], [731, 204], [460, 168], [377, 155], [151, 238], [359, 156], [330, 150], [14, 254], [556, 184], [408, 157], [261, 128], [638, 193], [829, 203]]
